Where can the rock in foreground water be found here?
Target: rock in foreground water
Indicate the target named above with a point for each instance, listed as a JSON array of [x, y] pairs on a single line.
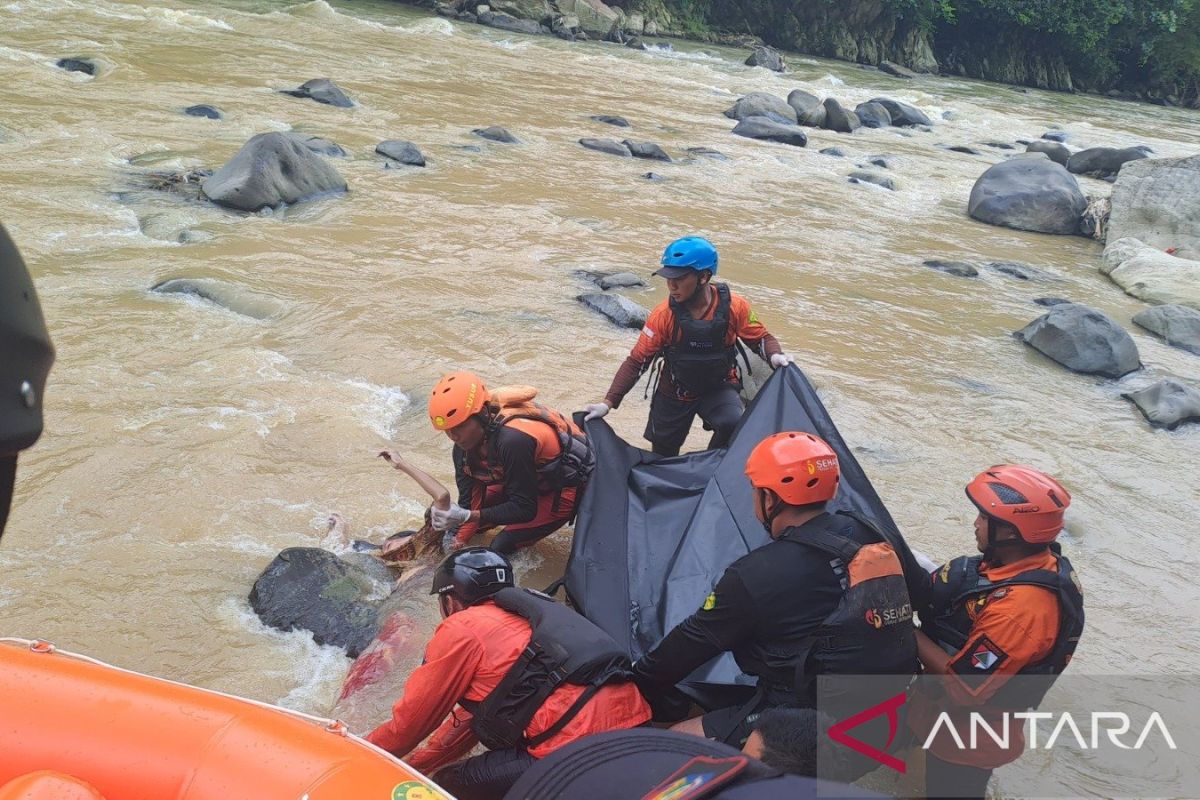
[[270, 170], [1082, 339]]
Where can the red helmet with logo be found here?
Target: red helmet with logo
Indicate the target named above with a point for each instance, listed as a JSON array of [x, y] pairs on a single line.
[[457, 396], [1028, 499], [799, 467]]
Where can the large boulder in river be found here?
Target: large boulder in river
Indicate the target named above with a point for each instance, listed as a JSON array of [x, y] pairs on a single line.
[[1149, 274], [1167, 403], [810, 111], [839, 119], [1104, 162], [1030, 194], [618, 308], [873, 115], [903, 115], [323, 91], [1082, 339], [536, 10], [762, 104], [313, 589], [768, 58], [1057, 152], [595, 17], [610, 146], [1179, 326], [270, 170], [771, 131], [1158, 202]]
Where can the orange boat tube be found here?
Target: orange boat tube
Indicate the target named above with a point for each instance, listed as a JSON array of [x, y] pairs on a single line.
[[128, 736]]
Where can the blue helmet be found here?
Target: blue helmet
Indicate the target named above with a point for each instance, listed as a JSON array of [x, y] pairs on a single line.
[[691, 253]]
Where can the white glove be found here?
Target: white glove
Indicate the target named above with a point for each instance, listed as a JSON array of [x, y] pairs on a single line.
[[781, 360], [595, 410], [452, 517]]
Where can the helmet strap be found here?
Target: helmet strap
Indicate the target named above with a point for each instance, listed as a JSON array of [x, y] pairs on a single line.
[[769, 516]]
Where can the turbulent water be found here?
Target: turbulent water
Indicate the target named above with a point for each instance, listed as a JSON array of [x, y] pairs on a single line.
[[187, 444]]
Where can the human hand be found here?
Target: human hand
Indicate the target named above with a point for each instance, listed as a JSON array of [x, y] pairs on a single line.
[[781, 360], [392, 457], [445, 519], [595, 410]]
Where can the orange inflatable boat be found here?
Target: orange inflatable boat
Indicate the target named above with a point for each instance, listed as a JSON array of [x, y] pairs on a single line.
[[72, 728]]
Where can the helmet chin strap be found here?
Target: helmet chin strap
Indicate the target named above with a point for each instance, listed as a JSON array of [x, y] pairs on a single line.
[[992, 544], [701, 286], [768, 521]]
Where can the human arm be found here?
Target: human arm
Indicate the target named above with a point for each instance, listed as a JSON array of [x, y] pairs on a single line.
[[651, 341], [450, 742], [433, 487], [431, 691], [750, 330]]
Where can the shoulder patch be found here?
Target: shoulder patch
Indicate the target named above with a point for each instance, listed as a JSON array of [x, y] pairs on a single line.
[[753, 319], [977, 661], [648, 332], [710, 602]]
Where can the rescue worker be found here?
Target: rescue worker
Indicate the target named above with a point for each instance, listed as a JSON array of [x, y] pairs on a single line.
[[517, 463], [532, 675], [696, 331], [799, 606], [1014, 610]]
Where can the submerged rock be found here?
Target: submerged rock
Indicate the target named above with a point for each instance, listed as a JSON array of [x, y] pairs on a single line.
[[960, 269], [610, 146], [496, 134], [619, 309], [1167, 403], [1082, 339], [708, 152], [402, 151], [772, 131], [270, 170], [1178, 326], [646, 150], [620, 122], [208, 112], [866, 176], [896, 70], [322, 90], [227, 296], [76, 65], [319, 145]]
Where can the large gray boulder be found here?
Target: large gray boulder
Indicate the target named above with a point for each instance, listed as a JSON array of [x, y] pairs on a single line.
[[839, 119], [1178, 326], [1158, 202], [618, 308], [610, 146], [1104, 162], [536, 10], [873, 115], [313, 589], [1167, 403], [323, 91], [401, 150], [1029, 194], [1150, 274], [810, 111], [595, 17], [762, 104], [768, 58], [903, 114], [1082, 339], [1057, 152], [646, 150], [270, 170], [771, 131]]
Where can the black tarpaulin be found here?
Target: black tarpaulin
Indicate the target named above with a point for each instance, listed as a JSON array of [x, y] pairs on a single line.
[[654, 534]]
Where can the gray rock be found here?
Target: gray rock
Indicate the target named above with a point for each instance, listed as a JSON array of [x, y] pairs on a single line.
[[1103, 162], [231, 298], [607, 119], [959, 269], [839, 119], [76, 65], [1029, 194], [610, 146], [535, 10], [761, 104], [271, 169], [400, 150], [902, 114], [961, 148], [836, 152], [1150, 274], [873, 115], [810, 112], [496, 134], [771, 131], [312, 589], [1082, 339], [865, 176], [896, 70], [207, 112], [323, 91], [1056, 151], [618, 308], [883, 162], [767, 57], [318, 144], [1178, 326], [646, 150], [508, 23], [999, 145], [1015, 269], [1055, 136], [1050, 302], [1157, 201], [619, 280], [1167, 403], [708, 152]]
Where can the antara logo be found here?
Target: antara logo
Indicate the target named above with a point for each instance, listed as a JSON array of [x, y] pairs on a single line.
[[891, 706], [1114, 724]]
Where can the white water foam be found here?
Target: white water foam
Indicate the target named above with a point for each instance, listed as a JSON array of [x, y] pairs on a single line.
[[382, 408], [435, 26]]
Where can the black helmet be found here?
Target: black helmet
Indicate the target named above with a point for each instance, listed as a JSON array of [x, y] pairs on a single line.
[[471, 575], [25, 358]]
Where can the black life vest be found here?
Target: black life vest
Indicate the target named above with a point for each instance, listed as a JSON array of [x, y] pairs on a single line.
[[870, 631], [698, 357], [960, 581], [573, 465], [565, 647]]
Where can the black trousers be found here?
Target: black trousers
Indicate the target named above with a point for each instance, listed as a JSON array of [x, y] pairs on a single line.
[[671, 419], [484, 777], [947, 780]]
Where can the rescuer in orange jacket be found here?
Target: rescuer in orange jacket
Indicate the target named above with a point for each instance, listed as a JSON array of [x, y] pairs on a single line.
[[478, 659]]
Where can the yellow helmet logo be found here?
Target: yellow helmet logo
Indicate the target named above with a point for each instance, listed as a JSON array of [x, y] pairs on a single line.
[[439, 421], [812, 468]]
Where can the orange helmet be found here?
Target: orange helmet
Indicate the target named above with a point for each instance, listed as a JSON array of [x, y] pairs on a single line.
[[457, 396], [1028, 499], [799, 467]]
